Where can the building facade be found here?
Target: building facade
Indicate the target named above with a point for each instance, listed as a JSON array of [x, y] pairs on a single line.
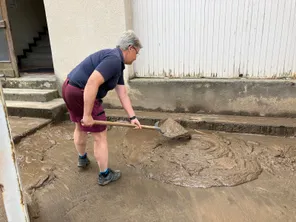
[[187, 45]]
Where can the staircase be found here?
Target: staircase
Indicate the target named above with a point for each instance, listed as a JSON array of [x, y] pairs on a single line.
[[33, 95], [37, 58]]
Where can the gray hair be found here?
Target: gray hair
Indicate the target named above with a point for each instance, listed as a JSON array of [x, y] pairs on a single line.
[[127, 39]]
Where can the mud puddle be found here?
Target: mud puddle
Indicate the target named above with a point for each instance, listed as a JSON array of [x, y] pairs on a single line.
[[152, 166], [207, 160]]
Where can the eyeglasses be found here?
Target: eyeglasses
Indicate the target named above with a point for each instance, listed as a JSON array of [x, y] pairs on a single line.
[[137, 52]]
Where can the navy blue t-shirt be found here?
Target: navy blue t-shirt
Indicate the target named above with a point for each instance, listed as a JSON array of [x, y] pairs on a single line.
[[109, 62]]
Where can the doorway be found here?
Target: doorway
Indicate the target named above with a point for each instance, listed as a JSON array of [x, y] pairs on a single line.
[[29, 35]]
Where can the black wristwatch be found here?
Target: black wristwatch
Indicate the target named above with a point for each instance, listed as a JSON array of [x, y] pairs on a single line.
[[133, 117]]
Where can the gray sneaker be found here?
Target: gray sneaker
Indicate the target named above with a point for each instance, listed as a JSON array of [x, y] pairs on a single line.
[[113, 175], [83, 162]]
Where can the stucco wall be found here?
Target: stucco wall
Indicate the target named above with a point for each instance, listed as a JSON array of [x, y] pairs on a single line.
[[78, 28], [26, 19]]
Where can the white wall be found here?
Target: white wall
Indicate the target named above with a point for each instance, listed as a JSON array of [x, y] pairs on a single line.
[[27, 18], [78, 28], [225, 38]]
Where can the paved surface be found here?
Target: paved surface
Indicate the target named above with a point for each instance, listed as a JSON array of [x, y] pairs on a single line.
[[53, 183], [24, 126], [20, 128], [57, 191]]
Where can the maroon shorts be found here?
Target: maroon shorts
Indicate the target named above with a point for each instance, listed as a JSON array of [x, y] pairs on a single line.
[[73, 97]]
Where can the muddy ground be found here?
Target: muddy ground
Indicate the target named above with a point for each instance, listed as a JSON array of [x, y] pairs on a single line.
[[214, 177]]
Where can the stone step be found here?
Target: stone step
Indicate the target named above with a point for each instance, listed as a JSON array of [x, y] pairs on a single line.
[[31, 81], [35, 95], [53, 109], [45, 49]]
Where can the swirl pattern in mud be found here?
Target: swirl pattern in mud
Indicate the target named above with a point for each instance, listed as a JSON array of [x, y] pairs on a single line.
[[205, 161]]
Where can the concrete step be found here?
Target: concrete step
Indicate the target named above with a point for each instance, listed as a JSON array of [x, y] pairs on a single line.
[[25, 126], [44, 38], [43, 43], [45, 49], [31, 81], [35, 95], [274, 126], [38, 62], [53, 109], [37, 69], [39, 55]]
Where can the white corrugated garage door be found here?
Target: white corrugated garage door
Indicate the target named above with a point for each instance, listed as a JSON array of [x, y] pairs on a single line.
[[223, 38]]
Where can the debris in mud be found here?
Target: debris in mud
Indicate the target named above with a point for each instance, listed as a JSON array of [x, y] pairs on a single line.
[[171, 129], [274, 158], [208, 160], [42, 181]]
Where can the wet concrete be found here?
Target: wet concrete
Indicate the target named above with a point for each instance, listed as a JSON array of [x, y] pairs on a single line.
[[57, 191]]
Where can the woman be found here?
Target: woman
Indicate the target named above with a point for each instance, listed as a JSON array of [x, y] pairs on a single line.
[[83, 91]]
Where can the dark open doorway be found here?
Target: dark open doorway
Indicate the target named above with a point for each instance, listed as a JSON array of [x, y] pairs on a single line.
[[30, 36]]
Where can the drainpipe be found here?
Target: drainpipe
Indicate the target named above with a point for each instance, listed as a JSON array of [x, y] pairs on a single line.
[[10, 183]]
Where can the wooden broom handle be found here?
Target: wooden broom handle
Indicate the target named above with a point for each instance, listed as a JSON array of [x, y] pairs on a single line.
[[108, 123]]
